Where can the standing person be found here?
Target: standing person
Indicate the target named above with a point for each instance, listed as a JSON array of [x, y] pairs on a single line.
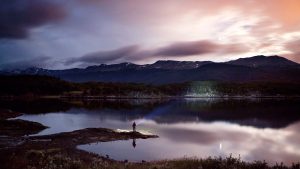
[[134, 126]]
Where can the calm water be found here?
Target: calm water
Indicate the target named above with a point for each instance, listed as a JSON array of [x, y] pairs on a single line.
[[254, 129]]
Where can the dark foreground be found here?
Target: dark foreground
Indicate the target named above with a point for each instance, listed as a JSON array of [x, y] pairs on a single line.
[[58, 151]]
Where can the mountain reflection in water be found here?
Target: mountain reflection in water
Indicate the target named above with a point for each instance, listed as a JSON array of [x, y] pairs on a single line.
[[255, 129]]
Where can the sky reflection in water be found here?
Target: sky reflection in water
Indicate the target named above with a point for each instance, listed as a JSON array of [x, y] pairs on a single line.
[[190, 129]]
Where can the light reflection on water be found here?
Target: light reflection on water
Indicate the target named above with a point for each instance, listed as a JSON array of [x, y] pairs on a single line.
[[207, 139], [255, 130]]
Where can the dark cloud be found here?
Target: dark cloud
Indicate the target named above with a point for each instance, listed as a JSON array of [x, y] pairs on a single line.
[[187, 48], [105, 56], [41, 62], [198, 48], [17, 17], [178, 49]]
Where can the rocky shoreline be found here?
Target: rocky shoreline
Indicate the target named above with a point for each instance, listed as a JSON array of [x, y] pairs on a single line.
[[17, 147]]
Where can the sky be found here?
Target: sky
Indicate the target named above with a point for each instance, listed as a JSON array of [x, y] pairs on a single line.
[[59, 34]]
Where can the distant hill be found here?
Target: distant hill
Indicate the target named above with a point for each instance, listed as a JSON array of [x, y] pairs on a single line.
[[257, 68], [259, 61]]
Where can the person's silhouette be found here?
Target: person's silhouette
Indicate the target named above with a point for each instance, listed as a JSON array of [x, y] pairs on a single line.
[[133, 143], [134, 127]]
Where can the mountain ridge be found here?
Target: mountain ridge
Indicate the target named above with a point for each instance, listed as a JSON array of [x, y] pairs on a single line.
[[257, 68]]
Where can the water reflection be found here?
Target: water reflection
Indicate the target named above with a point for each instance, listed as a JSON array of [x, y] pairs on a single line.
[[255, 129], [207, 139], [133, 143], [258, 113]]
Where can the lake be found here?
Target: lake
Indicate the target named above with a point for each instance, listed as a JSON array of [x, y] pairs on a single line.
[[254, 129]]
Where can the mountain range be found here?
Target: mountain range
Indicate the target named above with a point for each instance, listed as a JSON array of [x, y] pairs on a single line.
[[256, 68]]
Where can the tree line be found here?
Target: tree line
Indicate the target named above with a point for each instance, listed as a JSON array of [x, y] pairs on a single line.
[[34, 85]]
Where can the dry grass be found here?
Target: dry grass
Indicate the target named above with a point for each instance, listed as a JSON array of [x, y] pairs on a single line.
[[51, 160]]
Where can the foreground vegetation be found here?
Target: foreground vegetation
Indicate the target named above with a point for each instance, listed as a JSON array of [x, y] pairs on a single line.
[[56, 159], [29, 85]]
